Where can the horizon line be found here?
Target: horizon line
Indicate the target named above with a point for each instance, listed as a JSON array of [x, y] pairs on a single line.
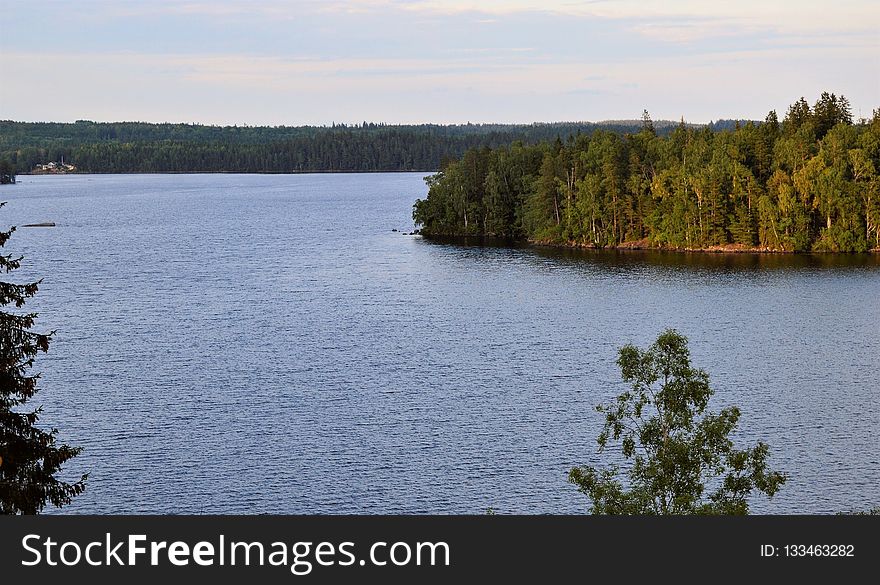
[[352, 124]]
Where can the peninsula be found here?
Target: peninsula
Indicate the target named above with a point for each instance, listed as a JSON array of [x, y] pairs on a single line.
[[809, 183]]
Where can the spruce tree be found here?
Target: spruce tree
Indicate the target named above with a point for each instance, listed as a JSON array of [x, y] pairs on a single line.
[[29, 455]]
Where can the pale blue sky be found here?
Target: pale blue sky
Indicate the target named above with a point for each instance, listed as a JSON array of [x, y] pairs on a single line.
[[316, 62]]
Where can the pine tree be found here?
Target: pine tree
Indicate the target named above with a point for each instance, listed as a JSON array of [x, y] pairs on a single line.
[[29, 456], [647, 123]]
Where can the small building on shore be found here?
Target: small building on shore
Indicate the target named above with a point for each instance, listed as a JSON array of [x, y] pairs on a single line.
[[54, 168]]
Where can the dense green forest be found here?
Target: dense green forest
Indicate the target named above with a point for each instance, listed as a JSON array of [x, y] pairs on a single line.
[[809, 183], [136, 147]]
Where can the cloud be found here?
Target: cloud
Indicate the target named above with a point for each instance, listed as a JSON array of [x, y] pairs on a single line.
[[256, 89], [520, 60], [666, 21], [776, 14]]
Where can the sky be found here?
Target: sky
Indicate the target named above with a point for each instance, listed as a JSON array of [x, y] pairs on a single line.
[[273, 62]]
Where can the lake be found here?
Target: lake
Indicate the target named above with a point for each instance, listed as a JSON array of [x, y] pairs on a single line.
[[245, 344]]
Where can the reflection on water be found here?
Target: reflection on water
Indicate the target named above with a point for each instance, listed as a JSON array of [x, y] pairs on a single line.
[[674, 259]]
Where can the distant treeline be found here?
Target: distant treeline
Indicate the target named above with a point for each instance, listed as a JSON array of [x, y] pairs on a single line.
[[808, 183], [135, 147]]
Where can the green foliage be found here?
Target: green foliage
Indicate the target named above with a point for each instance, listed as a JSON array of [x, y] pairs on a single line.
[[136, 147], [681, 458], [29, 456], [797, 186]]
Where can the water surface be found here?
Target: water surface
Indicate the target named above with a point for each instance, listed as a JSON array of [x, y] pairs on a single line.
[[267, 344]]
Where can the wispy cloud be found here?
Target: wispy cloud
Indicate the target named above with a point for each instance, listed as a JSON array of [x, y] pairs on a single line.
[[781, 15], [398, 90], [455, 60]]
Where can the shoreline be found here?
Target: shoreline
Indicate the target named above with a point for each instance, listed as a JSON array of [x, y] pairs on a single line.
[[636, 246], [313, 172], [717, 249]]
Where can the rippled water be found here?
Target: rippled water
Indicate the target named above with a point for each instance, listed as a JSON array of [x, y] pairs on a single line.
[[266, 344]]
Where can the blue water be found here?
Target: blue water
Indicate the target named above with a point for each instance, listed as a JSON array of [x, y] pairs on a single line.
[[267, 344]]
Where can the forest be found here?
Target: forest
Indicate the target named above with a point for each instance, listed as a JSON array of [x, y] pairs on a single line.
[[809, 183], [138, 147]]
